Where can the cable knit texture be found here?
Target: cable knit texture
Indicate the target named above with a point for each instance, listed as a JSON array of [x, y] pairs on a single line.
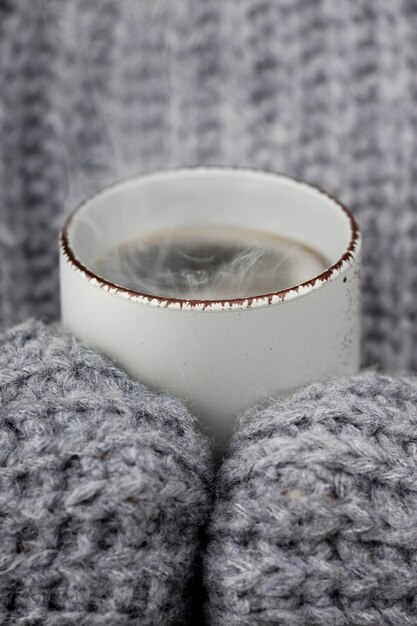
[[104, 487], [94, 90], [315, 521]]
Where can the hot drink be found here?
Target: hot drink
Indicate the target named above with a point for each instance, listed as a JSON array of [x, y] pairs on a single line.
[[210, 263]]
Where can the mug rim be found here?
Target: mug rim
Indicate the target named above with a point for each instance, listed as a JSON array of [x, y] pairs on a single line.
[[346, 260]]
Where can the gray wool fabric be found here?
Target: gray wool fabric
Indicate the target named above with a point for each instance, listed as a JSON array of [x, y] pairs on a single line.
[[95, 90], [104, 488], [104, 485], [315, 521]]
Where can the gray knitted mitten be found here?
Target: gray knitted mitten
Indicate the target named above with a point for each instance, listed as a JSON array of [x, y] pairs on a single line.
[[104, 486], [316, 515]]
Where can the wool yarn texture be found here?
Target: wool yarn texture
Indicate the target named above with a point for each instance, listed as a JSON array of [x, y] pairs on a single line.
[[315, 520], [95, 90], [104, 489], [104, 486]]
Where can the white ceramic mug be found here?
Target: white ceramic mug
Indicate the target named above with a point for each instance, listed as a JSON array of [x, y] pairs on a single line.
[[221, 357]]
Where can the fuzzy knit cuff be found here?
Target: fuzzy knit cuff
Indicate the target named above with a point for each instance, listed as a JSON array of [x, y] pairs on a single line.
[[104, 487], [316, 514]]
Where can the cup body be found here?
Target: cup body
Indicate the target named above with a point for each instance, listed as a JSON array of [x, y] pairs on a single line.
[[220, 357]]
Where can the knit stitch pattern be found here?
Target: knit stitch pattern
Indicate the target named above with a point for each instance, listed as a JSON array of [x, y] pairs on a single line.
[[316, 514], [104, 487], [95, 90]]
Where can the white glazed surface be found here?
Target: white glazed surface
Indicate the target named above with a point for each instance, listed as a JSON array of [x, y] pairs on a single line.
[[220, 357]]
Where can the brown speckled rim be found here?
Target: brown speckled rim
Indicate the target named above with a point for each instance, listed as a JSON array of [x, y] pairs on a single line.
[[345, 261]]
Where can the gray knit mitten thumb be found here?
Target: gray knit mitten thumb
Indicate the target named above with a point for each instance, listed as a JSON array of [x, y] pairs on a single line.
[[104, 487], [315, 521]]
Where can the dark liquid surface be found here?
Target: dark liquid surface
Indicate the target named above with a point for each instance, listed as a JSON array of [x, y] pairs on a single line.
[[210, 264]]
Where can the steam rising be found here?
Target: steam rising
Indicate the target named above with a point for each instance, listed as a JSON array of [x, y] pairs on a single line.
[[210, 264]]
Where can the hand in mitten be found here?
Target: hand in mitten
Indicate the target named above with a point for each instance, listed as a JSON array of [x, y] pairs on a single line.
[[315, 521], [104, 487]]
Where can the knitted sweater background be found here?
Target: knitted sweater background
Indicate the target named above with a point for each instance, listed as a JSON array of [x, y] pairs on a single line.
[[94, 90]]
